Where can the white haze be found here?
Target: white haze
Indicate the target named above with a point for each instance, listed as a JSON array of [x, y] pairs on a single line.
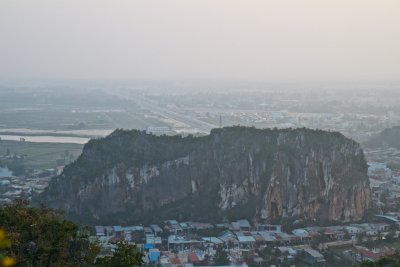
[[213, 40]]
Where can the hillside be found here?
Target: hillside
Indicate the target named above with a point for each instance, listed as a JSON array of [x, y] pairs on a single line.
[[235, 172], [389, 137]]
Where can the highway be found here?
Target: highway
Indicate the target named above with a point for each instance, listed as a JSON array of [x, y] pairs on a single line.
[[157, 108]]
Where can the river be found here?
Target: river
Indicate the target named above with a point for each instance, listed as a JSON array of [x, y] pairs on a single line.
[[46, 139]]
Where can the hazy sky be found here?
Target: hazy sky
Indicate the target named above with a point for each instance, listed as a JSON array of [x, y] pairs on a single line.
[[299, 40]]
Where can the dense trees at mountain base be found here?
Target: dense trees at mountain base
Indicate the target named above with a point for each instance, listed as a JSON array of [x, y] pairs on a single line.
[[221, 257], [125, 255], [42, 237]]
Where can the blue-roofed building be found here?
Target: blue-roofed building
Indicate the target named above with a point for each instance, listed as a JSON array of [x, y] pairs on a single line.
[[118, 230], [154, 255], [184, 225], [244, 225], [134, 228], [267, 236], [228, 237], [100, 231], [302, 233], [148, 246], [245, 240], [171, 222], [183, 242], [213, 240], [156, 229], [154, 240], [147, 230], [234, 226], [175, 229]]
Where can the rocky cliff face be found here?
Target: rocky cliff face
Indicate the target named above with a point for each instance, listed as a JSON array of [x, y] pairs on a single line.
[[233, 173]]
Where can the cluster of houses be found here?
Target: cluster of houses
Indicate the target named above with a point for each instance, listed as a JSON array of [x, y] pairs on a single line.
[[22, 187], [176, 243], [361, 254], [385, 186]]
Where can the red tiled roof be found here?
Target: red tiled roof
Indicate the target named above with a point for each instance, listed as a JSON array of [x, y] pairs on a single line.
[[193, 257], [375, 256], [329, 232], [175, 261], [370, 255]]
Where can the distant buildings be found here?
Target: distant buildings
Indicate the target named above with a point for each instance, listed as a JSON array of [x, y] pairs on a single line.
[[311, 256], [159, 130], [175, 243], [378, 170]]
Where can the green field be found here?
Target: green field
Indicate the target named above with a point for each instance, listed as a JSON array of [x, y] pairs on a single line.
[[41, 155]]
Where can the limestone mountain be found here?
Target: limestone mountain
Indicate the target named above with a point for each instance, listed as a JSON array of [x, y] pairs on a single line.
[[235, 172], [389, 137]]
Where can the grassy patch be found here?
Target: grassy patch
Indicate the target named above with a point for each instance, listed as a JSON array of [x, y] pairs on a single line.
[[40, 155]]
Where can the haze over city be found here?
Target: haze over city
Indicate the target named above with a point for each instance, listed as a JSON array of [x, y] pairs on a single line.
[[252, 41], [191, 133]]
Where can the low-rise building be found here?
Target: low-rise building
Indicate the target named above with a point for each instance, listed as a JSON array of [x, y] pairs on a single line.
[[311, 256]]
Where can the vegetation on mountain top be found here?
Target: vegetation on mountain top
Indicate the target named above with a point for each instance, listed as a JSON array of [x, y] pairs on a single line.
[[131, 176]]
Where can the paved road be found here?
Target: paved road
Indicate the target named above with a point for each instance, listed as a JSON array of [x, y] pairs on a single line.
[[182, 118]]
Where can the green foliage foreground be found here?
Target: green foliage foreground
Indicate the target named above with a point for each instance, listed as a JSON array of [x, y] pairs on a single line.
[[124, 255], [42, 237]]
